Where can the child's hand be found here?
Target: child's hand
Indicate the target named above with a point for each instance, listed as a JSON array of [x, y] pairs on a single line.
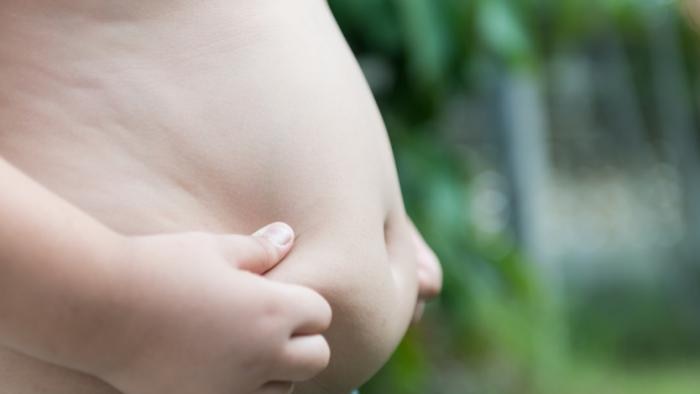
[[195, 322]]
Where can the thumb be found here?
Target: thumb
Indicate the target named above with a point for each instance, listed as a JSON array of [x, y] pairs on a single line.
[[262, 251]]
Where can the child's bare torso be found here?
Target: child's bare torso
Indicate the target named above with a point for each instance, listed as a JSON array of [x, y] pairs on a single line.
[[219, 116]]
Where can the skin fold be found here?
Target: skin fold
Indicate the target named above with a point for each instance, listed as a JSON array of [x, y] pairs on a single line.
[[215, 116]]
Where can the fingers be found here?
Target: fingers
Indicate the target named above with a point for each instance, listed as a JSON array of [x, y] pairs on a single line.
[[261, 251], [310, 312], [307, 315], [305, 357]]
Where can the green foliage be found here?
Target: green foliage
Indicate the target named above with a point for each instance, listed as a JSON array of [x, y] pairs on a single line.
[[502, 30], [498, 327], [489, 312]]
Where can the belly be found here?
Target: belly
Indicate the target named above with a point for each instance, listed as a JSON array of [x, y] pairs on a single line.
[[273, 124]]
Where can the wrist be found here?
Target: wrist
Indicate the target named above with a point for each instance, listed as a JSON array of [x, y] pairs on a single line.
[[95, 302], [108, 304]]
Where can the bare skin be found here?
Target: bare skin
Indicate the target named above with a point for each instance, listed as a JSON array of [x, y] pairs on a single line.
[[131, 311], [218, 116]]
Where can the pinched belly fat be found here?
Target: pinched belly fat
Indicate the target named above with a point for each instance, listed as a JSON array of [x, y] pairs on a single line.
[[261, 114]]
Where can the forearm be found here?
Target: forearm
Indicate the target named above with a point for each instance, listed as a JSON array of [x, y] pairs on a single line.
[[55, 273]]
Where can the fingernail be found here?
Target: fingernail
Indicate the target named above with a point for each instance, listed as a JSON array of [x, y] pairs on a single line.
[[278, 233]]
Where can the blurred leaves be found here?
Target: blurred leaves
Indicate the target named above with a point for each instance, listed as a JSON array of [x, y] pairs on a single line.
[[425, 41], [502, 31], [498, 326]]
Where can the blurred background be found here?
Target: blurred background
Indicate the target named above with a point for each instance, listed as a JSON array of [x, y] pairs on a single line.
[[548, 150]]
